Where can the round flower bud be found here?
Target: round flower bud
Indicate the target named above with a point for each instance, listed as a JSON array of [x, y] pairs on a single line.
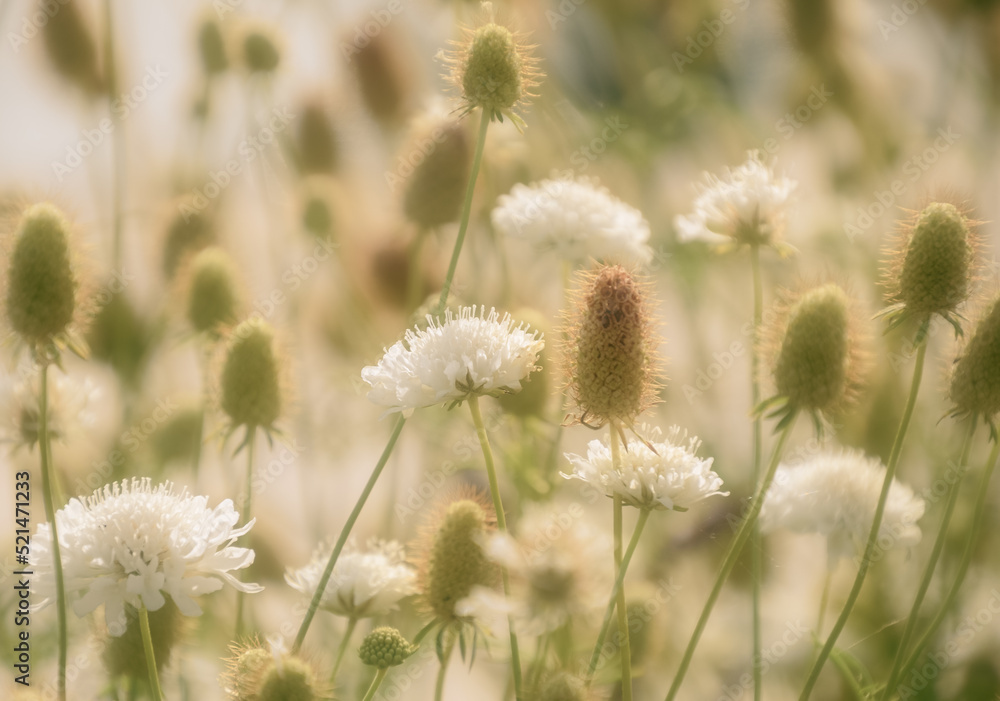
[[611, 351], [385, 647], [212, 47], [975, 382], [125, 656], [936, 266], [260, 50], [212, 296], [292, 680], [436, 188], [251, 387], [41, 286], [317, 144]]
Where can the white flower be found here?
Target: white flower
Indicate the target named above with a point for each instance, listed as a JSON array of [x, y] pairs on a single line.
[[667, 475], [579, 219], [473, 353], [362, 584], [835, 494], [70, 409], [131, 543], [748, 206]]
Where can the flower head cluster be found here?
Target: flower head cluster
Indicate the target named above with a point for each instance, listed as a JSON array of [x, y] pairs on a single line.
[[363, 583], [473, 353], [131, 543], [385, 647], [659, 474], [576, 218], [835, 494], [745, 207]]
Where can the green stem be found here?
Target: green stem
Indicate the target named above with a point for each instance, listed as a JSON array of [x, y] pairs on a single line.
[[376, 683], [824, 600], [247, 509], [491, 473], [45, 450], [147, 647], [342, 539], [415, 279], [463, 224], [117, 138], [731, 556], [942, 536], [756, 542], [541, 653], [866, 558], [625, 655], [963, 567], [351, 622], [613, 599], [443, 669]]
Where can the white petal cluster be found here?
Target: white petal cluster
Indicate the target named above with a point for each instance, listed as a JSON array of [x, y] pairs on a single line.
[[835, 494], [662, 475], [577, 218], [131, 543], [363, 583], [749, 202], [471, 353]]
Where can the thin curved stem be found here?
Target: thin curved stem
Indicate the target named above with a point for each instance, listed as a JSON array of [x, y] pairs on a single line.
[[491, 473], [866, 558], [625, 655], [147, 647], [756, 542], [376, 683], [942, 536], [963, 567], [247, 509], [463, 224], [443, 669], [613, 599], [45, 450], [342, 539], [742, 535], [351, 622]]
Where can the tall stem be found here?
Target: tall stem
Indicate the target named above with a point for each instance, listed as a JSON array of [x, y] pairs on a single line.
[[147, 647], [625, 656], [756, 542], [463, 224], [351, 622], [247, 509], [866, 558], [443, 669], [376, 683], [342, 539], [45, 450], [613, 599], [742, 535], [911, 621], [491, 473], [117, 138], [963, 567]]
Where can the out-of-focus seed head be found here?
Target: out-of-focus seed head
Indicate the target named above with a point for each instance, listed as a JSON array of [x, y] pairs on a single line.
[[384, 78], [318, 150], [213, 297], [975, 380], [70, 46], [436, 188], [936, 270], [212, 47], [251, 377], [261, 48], [190, 230]]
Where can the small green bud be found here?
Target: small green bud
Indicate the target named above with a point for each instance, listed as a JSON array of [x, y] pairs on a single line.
[[251, 387], [212, 297], [975, 382], [212, 47], [292, 680], [260, 50], [936, 269], [385, 647], [41, 286], [120, 336], [436, 188]]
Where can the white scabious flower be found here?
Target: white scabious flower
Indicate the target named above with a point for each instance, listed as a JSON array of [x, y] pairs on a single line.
[[660, 475], [363, 583], [471, 353], [835, 494], [745, 207], [578, 219], [131, 543], [70, 409]]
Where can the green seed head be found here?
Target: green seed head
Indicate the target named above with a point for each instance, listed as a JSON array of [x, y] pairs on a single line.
[[212, 47], [317, 143], [975, 382], [41, 286], [70, 46], [814, 361], [246, 668], [385, 647], [611, 351], [251, 386], [212, 297], [491, 71], [436, 188], [292, 680], [189, 232], [936, 269], [260, 50]]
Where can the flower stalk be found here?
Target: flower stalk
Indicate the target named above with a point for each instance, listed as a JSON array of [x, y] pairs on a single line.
[[147, 648]]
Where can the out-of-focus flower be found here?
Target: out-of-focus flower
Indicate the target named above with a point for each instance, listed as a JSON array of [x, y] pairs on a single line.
[[651, 475], [576, 218], [131, 543], [363, 583], [745, 207], [474, 353], [69, 409], [835, 494]]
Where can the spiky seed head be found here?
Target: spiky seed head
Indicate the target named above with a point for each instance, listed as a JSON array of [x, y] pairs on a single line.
[[813, 368], [611, 348], [260, 49], [41, 285], [212, 295], [245, 669], [383, 78], [975, 381], [936, 268], [562, 686], [451, 560], [212, 47], [385, 647], [251, 376], [292, 680], [124, 655], [188, 232], [436, 188], [317, 143]]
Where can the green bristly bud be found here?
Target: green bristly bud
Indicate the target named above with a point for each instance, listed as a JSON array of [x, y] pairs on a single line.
[[456, 562], [212, 298], [292, 680], [491, 78], [435, 190], [385, 647], [975, 383], [246, 670], [937, 267], [260, 51], [251, 387], [41, 287]]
